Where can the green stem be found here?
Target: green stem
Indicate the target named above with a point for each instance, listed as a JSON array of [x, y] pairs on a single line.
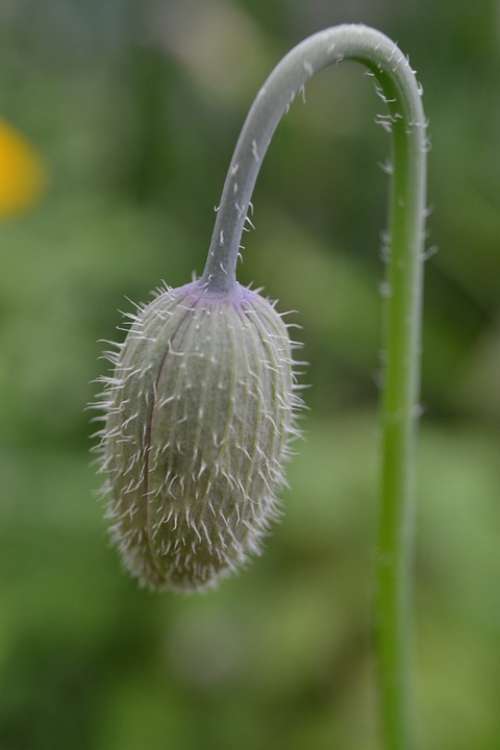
[[399, 89]]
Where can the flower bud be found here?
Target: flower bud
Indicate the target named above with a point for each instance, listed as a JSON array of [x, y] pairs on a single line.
[[198, 416]]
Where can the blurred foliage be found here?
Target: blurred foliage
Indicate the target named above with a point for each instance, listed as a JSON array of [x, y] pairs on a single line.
[[134, 109]]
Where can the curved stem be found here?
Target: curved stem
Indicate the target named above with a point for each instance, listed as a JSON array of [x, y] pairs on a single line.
[[405, 118]]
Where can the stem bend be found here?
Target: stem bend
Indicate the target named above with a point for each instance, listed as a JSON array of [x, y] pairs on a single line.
[[405, 119]]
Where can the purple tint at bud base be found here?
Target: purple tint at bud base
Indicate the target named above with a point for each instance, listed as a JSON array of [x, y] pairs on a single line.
[[198, 417]]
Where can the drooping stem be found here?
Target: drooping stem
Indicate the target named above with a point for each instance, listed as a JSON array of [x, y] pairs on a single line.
[[405, 118]]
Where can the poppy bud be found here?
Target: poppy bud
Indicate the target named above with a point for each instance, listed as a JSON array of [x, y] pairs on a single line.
[[198, 415]]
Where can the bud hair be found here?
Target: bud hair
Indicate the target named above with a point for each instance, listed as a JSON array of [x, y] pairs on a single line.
[[198, 416]]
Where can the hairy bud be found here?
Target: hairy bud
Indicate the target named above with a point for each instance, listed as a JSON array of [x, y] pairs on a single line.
[[198, 415]]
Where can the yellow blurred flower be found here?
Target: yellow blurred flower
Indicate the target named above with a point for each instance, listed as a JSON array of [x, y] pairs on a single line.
[[22, 176]]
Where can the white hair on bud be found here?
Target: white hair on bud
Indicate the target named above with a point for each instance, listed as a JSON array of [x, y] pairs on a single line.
[[198, 417]]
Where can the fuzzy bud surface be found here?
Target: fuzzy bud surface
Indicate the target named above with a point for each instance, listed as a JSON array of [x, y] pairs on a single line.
[[198, 416]]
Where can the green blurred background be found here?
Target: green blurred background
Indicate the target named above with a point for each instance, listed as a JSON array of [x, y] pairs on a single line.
[[135, 108]]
